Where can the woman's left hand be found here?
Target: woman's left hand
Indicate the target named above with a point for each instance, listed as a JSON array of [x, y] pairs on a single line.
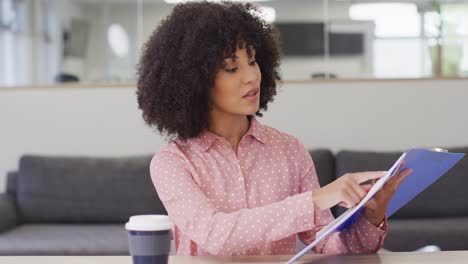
[[377, 206]]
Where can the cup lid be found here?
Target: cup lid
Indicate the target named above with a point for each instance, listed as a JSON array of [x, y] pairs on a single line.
[[149, 223]]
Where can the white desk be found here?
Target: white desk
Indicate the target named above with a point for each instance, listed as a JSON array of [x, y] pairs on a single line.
[[445, 257]]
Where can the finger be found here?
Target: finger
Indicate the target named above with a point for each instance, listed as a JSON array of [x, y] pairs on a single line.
[[369, 175], [342, 204], [395, 176], [366, 187], [387, 190], [403, 176], [371, 204], [360, 191], [346, 203], [400, 167], [381, 193], [393, 184], [354, 196], [347, 200], [392, 180]]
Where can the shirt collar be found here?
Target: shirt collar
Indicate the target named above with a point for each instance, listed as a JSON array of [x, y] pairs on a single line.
[[206, 140], [256, 130]]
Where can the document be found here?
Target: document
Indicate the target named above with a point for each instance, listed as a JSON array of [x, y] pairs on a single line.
[[427, 165]]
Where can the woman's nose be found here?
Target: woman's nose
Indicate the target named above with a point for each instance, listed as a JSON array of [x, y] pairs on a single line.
[[251, 74]]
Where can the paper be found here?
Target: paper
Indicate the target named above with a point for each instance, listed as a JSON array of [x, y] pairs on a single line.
[[427, 166]]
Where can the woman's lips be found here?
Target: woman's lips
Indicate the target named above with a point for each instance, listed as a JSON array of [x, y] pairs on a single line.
[[251, 92], [251, 96]]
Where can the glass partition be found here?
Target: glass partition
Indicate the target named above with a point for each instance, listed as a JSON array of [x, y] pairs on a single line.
[[46, 42]]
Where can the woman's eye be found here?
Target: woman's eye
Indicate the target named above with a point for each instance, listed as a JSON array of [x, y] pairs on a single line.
[[233, 70]]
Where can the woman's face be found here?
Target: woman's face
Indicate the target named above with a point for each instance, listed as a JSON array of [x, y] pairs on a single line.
[[237, 85]]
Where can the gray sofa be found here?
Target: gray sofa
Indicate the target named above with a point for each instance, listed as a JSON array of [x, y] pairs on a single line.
[[78, 205], [74, 206]]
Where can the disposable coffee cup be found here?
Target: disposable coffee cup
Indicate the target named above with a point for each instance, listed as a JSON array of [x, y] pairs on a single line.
[[149, 238]]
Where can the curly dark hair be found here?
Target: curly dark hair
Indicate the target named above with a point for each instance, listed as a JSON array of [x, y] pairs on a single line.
[[179, 62]]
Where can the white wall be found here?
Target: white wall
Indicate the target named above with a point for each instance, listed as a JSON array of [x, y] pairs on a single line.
[[391, 115], [359, 115]]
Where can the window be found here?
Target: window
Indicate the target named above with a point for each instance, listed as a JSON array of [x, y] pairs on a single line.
[[454, 39], [7, 25], [414, 44], [384, 14], [399, 50]]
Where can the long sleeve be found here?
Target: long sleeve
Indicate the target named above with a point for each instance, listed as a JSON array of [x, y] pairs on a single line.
[[359, 237], [218, 232]]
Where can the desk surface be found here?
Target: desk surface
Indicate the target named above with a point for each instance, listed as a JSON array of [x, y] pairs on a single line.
[[452, 257]]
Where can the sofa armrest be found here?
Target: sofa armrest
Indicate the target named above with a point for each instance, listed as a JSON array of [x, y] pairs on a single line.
[[8, 218]]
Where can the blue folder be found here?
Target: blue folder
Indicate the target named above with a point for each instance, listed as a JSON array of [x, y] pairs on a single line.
[[427, 166]]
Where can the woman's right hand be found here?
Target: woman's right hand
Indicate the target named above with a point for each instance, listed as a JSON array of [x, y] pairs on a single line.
[[346, 191]]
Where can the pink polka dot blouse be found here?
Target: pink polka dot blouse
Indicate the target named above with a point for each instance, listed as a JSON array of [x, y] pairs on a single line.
[[252, 203]]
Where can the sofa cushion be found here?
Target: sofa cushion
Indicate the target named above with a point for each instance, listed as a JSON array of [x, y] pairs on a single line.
[[410, 234], [85, 190], [65, 239], [445, 198], [8, 218], [324, 162], [12, 176]]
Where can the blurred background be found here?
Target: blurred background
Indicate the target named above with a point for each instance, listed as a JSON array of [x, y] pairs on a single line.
[[98, 41]]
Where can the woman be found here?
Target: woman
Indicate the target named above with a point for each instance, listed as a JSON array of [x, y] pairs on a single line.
[[231, 185]]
